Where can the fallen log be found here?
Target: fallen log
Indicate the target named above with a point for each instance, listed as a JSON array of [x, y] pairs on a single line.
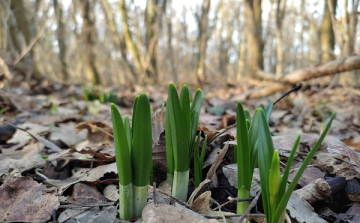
[[285, 82]]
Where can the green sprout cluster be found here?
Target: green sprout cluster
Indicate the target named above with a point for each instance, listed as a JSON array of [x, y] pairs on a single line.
[[133, 149]]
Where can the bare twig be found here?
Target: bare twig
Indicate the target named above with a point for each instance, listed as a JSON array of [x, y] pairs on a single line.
[[31, 44], [252, 204], [172, 197]]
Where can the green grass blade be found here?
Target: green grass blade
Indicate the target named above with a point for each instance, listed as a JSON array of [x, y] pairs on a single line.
[[197, 170], [134, 109], [274, 179], [247, 115], [243, 159], [292, 185], [286, 173], [266, 151], [141, 154], [203, 153], [243, 153], [122, 151], [169, 146], [195, 112], [180, 140], [127, 130], [268, 110], [185, 108]]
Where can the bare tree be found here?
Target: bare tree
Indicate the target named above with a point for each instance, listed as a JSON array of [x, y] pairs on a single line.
[[202, 40], [117, 37], [280, 13], [254, 37], [89, 39], [129, 41], [61, 38], [327, 38]]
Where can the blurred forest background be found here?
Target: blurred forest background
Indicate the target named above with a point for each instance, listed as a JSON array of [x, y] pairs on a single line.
[[130, 42]]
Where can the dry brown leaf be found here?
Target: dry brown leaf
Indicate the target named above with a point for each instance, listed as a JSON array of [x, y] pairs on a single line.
[[340, 148], [66, 134], [98, 132], [86, 194], [158, 124], [164, 213], [23, 199]]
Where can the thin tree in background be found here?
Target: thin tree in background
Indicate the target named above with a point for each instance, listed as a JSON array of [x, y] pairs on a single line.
[[254, 37], [151, 37], [131, 46], [61, 39], [327, 38], [202, 40], [280, 13], [170, 48], [117, 37], [88, 33]]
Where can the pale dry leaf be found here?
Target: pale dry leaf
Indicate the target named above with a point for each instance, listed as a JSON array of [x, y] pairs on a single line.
[[302, 211], [111, 192], [163, 213], [217, 162], [158, 124], [23, 199], [340, 148], [89, 215]]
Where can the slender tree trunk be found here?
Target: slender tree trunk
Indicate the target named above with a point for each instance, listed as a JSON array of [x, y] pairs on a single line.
[[171, 51], [327, 38], [128, 39], [88, 33], [117, 37], [61, 38], [202, 38], [150, 21], [280, 13], [254, 37]]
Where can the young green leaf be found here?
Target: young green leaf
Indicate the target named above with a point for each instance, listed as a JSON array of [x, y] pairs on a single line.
[[168, 145], [185, 108], [243, 159], [180, 141], [122, 151]]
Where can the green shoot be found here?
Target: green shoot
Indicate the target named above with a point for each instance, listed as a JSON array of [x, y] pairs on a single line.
[[180, 131], [199, 160], [275, 194], [133, 151], [245, 152], [123, 164]]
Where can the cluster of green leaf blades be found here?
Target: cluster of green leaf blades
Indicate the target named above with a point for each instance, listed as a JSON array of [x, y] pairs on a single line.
[[199, 160], [133, 151], [180, 132], [275, 192], [246, 152]]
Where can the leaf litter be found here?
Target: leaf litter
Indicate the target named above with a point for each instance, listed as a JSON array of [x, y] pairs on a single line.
[[66, 156]]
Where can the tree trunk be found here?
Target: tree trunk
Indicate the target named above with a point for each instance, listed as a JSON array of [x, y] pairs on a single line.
[[88, 34], [128, 39], [327, 69], [171, 51], [117, 37], [254, 37], [151, 32], [202, 38], [280, 13], [327, 38], [61, 38]]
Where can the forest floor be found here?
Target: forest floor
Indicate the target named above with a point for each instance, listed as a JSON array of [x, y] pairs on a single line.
[[62, 168]]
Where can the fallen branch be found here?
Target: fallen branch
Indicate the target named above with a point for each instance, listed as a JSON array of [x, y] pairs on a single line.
[[330, 68]]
